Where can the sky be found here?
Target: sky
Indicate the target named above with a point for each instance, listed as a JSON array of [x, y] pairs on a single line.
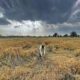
[[39, 17]]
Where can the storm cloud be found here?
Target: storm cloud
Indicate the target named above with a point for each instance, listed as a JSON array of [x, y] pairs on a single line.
[[39, 17]]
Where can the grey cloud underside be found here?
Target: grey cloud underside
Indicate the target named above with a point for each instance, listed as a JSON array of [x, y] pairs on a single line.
[[3, 21], [51, 11]]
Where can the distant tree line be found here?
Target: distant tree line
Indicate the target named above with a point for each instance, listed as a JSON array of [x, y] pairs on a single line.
[[72, 34]]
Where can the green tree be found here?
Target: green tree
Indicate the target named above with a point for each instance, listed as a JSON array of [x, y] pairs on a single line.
[[55, 35], [73, 34]]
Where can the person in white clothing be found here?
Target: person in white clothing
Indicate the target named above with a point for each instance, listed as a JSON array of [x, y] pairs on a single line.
[[42, 50]]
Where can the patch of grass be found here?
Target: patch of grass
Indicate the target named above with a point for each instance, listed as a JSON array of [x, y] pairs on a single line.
[[19, 59]]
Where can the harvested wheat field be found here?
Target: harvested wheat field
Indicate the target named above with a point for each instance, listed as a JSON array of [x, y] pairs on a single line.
[[19, 59]]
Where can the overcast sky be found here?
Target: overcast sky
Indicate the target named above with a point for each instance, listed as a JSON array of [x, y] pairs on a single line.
[[39, 17]]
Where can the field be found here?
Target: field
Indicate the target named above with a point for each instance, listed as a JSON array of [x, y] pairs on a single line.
[[19, 59]]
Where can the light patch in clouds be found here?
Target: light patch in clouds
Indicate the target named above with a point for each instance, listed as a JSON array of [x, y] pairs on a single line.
[[76, 7], [25, 28], [37, 28], [75, 11], [1, 15], [77, 3], [1, 12]]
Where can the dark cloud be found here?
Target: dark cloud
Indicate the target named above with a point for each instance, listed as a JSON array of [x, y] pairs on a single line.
[[3, 21], [51, 11]]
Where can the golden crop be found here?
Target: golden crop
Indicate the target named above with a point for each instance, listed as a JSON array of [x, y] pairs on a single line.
[[19, 59]]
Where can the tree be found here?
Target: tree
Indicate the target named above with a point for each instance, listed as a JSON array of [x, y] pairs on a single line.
[[0, 36], [65, 35], [73, 34], [55, 35]]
